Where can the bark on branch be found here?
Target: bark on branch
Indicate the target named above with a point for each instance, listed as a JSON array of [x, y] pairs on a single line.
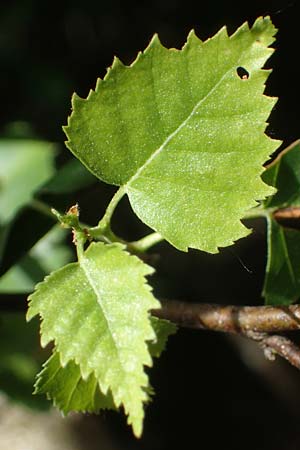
[[288, 217], [231, 319], [253, 322]]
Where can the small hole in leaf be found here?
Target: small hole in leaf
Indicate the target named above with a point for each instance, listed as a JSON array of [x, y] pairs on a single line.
[[242, 73]]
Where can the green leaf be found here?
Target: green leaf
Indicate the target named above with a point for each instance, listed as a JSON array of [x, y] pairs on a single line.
[[163, 329], [282, 281], [183, 134], [68, 390], [97, 311], [24, 166], [284, 174]]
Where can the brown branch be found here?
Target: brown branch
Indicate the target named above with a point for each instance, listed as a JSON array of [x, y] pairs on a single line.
[[283, 347], [288, 217], [273, 345], [253, 322], [231, 319]]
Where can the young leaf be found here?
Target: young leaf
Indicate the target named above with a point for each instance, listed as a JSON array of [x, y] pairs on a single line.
[[68, 390], [97, 311], [282, 281], [183, 134]]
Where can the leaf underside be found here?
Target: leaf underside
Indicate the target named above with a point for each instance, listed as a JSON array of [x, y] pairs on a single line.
[[97, 312], [183, 134]]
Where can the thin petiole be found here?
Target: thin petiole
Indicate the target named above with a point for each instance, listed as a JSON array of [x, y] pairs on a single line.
[[79, 239], [142, 245], [105, 221], [256, 213]]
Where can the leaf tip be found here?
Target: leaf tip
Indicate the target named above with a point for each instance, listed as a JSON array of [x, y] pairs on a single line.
[[137, 427], [264, 30]]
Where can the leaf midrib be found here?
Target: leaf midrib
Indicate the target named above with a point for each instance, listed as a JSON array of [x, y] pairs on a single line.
[[190, 188], [83, 264]]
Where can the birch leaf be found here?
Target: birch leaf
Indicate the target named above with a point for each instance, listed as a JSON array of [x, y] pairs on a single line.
[[182, 133], [97, 312], [70, 392]]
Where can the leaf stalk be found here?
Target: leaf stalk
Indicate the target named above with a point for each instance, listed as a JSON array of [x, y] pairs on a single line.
[[106, 219], [143, 244]]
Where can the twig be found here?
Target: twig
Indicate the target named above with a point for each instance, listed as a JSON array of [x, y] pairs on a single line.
[[253, 322], [288, 217], [277, 345], [283, 347], [231, 319]]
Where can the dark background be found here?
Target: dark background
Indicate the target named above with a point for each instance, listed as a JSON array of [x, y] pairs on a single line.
[[208, 394]]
